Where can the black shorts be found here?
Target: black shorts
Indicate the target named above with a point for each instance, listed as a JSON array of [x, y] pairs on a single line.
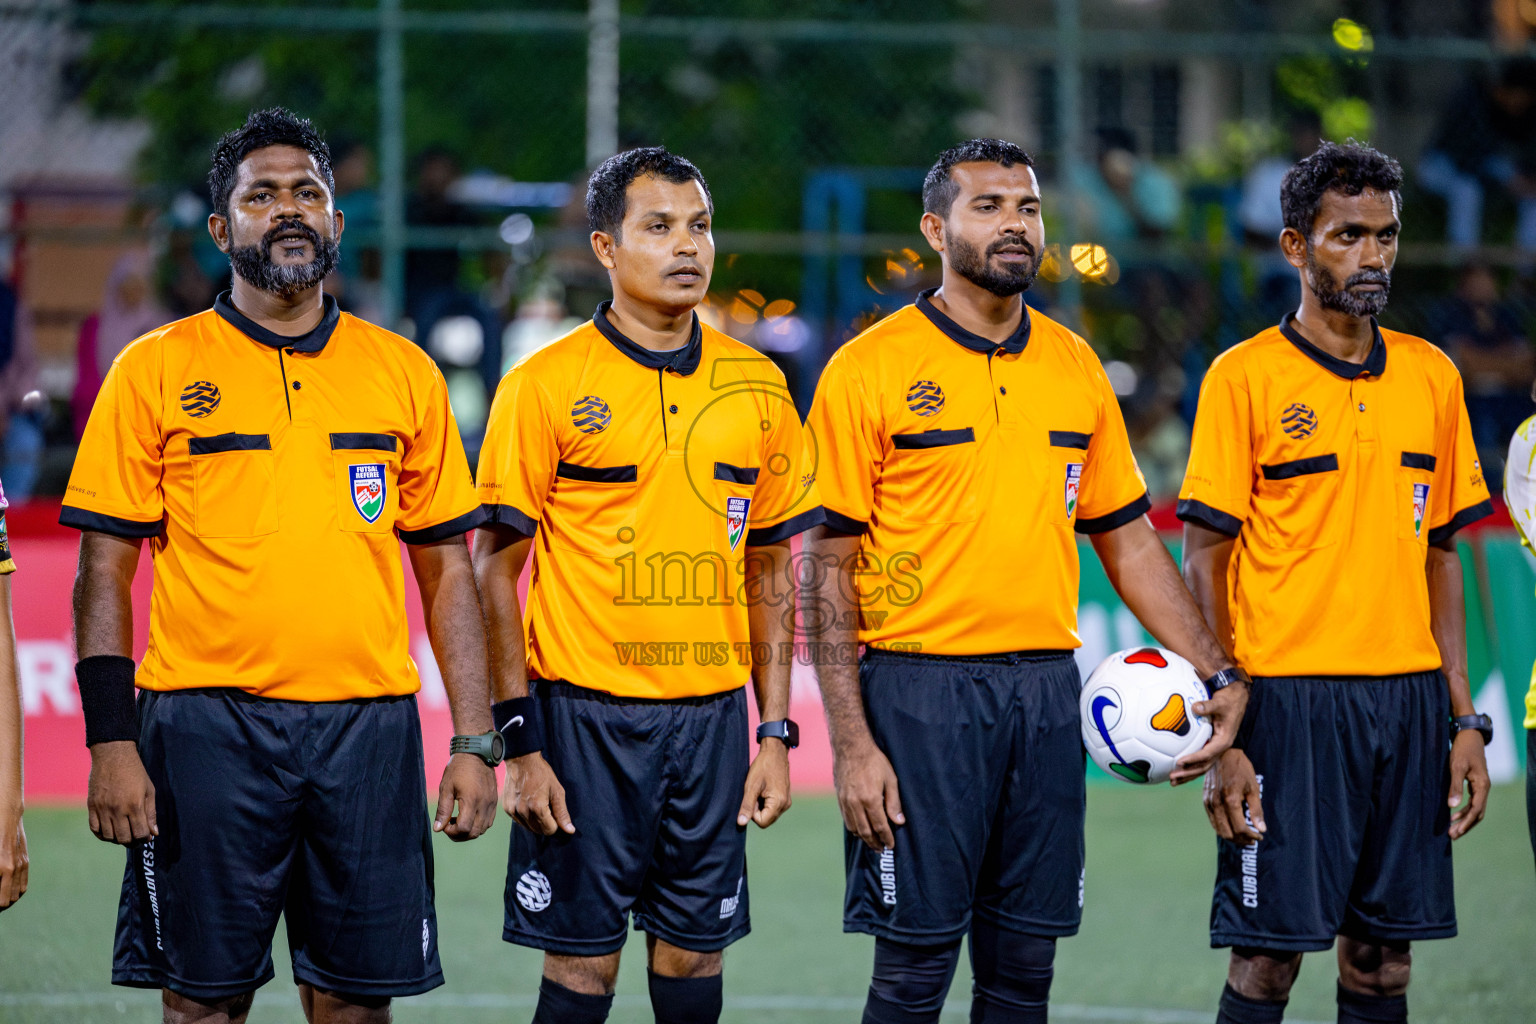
[[989, 762], [1353, 775], [315, 811], [653, 788]]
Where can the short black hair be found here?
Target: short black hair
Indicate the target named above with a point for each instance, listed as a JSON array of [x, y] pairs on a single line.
[[1350, 168], [274, 126], [608, 188], [940, 190]]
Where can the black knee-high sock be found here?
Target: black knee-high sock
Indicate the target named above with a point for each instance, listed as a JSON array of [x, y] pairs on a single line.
[[1239, 1009], [559, 1005], [1359, 1008], [687, 1000], [909, 982]]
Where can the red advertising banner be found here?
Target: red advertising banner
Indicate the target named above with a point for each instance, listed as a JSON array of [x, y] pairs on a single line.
[[57, 764]]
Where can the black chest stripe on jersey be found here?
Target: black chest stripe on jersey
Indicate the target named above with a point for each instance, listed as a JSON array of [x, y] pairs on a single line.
[[1302, 467], [933, 439], [598, 474]]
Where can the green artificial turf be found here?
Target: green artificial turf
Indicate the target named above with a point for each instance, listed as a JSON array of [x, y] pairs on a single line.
[[1142, 956]]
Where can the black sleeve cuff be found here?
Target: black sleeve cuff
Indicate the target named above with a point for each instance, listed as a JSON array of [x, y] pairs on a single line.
[[839, 523], [98, 522], [442, 531], [1467, 516], [1129, 514], [516, 518], [788, 528], [1201, 514]]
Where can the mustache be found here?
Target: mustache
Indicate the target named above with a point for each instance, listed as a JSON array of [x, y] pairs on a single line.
[[1019, 242], [290, 227], [1369, 276], [693, 265]]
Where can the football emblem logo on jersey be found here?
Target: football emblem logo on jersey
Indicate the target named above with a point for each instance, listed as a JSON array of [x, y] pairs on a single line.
[[1420, 501], [591, 414], [1298, 420], [533, 891], [200, 398], [736, 519], [368, 490], [1074, 479], [925, 398]]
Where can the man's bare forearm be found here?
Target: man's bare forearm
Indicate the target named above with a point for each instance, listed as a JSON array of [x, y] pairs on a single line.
[[10, 707], [1448, 622], [456, 629], [771, 622], [1143, 574], [499, 557], [103, 595], [833, 617], [1206, 557]]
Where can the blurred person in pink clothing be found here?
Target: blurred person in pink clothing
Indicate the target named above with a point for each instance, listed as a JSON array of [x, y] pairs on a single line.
[[129, 308]]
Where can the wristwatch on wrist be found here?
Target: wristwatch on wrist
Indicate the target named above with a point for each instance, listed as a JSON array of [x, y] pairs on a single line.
[[1482, 723], [1225, 678], [488, 747], [784, 729]]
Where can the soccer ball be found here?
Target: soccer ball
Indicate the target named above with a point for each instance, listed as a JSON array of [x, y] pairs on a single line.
[[1136, 713]]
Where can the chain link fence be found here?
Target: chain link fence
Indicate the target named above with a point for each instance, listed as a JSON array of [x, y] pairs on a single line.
[[461, 132]]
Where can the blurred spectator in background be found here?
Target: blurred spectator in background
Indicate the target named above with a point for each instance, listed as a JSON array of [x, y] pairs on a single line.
[[1278, 290], [1122, 197], [1486, 338], [187, 287], [129, 308], [1486, 138], [1159, 435], [357, 282], [21, 424], [433, 289], [540, 320]]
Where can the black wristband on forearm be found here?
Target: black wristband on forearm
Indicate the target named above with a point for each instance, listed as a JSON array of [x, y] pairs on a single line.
[[107, 698], [518, 722]]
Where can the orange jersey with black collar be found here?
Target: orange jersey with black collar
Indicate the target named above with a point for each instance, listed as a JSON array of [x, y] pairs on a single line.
[[643, 478], [967, 467], [275, 478], [1333, 477]]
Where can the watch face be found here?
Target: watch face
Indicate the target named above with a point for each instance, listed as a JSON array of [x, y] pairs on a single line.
[[498, 748]]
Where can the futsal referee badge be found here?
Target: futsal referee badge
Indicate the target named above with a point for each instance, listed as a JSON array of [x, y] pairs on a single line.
[[1074, 478], [736, 519], [1420, 499], [368, 490]]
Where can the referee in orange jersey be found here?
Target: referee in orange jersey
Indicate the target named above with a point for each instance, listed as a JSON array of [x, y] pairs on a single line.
[[1332, 465], [655, 470], [965, 442], [274, 452]]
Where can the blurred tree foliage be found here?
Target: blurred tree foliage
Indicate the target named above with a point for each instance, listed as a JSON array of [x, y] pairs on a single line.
[[755, 115]]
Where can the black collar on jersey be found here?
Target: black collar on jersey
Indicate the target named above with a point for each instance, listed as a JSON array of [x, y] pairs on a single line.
[[976, 343], [1375, 361], [680, 360], [309, 343]]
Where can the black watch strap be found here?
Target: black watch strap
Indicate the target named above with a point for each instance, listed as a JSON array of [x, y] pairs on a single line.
[[784, 729], [488, 747], [1482, 723], [1225, 678]]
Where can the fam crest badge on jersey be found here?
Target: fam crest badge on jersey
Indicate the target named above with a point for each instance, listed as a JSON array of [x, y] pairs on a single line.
[[1074, 479], [368, 490], [1420, 502], [736, 519]]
